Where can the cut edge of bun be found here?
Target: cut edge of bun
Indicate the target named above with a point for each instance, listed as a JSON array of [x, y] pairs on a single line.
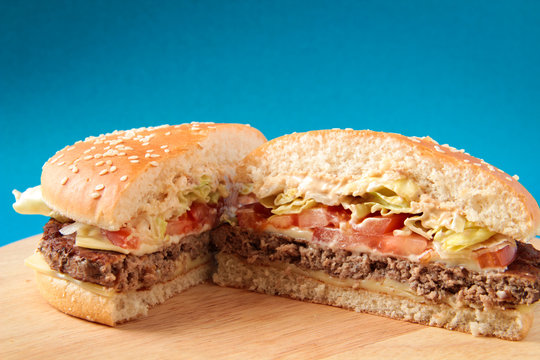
[[505, 324]]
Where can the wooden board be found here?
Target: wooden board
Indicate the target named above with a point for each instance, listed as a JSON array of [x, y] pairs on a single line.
[[213, 322]]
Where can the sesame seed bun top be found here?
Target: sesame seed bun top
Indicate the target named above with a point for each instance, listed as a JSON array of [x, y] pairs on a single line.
[[450, 180], [109, 179]]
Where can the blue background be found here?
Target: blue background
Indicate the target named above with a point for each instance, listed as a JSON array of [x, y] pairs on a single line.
[[464, 72]]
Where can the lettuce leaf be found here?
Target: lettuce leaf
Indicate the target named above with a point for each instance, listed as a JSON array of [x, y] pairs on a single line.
[[456, 241], [288, 203]]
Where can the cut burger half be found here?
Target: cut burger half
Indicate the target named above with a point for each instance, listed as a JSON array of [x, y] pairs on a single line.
[[386, 224], [131, 214]]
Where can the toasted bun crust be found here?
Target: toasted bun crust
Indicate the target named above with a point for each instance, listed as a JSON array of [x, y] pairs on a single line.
[[448, 178], [505, 324], [109, 179], [74, 300]]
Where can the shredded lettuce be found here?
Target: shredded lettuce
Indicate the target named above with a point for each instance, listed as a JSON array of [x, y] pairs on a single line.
[[246, 189], [203, 192], [288, 202], [451, 233], [454, 242]]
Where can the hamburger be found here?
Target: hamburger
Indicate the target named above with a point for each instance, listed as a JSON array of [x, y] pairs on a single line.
[[385, 224], [130, 216]]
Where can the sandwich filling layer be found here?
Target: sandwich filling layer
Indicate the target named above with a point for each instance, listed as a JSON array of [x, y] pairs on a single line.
[[434, 282], [120, 272]]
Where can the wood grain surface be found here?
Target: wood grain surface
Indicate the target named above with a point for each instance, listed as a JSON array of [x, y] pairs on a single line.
[[208, 321]]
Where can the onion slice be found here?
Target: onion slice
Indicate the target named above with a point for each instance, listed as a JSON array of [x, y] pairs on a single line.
[[71, 228]]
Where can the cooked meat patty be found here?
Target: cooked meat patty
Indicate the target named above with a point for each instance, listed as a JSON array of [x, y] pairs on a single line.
[[519, 284], [118, 271]]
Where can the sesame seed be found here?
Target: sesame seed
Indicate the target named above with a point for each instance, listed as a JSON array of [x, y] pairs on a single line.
[[134, 161], [150, 150], [87, 151], [99, 187], [145, 144], [147, 155], [154, 155], [95, 195], [121, 154], [154, 163], [123, 178], [438, 149], [112, 169], [75, 169], [88, 157], [415, 139], [100, 162], [97, 156], [64, 180], [103, 172], [168, 133], [164, 146], [466, 160], [133, 157], [515, 177], [499, 170], [166, 150], [477, 164], [61, 163], [107, 148]]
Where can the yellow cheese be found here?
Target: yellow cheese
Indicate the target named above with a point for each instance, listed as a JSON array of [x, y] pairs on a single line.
[[38, 263], [385, 286]]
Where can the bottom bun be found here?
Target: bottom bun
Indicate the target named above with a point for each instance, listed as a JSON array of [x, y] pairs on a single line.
[[510, 324], [72, 299]]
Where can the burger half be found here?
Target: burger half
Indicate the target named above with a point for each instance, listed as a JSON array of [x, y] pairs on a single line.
[[130, 216], [385, 224]]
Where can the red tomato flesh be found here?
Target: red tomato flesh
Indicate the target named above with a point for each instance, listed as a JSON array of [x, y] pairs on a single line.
[[498, 258], [377, 225], [315, 217], [197, 216], [403, 245], [252, 216], [283, 221], [120, 238], [181, 225]]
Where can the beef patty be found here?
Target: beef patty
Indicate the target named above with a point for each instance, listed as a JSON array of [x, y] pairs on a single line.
[[111, 269], [519, 284]]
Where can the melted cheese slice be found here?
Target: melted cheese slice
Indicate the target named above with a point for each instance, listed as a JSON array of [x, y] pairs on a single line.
[[36, 262]]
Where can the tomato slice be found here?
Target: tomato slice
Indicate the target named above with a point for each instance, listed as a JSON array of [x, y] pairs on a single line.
[[331, 235], [378, 225], [121, 238], [182, 225], [403, 245], [498, 258], [283, 221], [198, 215], [315, 217], [202, 213], [252, 216], [389, 244]]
